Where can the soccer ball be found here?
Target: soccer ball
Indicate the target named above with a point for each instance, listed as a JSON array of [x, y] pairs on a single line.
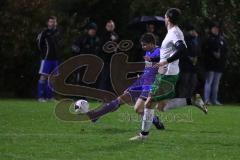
[[81, 106]]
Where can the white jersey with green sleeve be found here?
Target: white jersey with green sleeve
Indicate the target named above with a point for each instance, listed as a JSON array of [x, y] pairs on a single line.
[[168, 49]]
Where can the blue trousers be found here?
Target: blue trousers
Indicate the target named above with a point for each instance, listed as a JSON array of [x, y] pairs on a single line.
[[211, 86]]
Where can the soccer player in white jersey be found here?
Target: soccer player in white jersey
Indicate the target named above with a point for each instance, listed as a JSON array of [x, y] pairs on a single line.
[[163, 88]]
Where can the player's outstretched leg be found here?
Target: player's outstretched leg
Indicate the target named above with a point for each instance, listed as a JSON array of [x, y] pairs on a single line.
[[94, 115], [180, 102], [113, 106], [198, 102]]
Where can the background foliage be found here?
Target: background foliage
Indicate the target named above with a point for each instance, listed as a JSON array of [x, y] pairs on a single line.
[[22, 20]]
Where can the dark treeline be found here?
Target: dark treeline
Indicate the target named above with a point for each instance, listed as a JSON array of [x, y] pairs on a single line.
[[22, 20]]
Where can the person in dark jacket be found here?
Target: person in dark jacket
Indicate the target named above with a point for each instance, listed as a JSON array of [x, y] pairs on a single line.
[[187, 64], [88, 43], [108, 35], [215, 60], [48, 44]]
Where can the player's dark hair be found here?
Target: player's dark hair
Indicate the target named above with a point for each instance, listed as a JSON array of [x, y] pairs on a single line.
[[148, 38], [174, 15]]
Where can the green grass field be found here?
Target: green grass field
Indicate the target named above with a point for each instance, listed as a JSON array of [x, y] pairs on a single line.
[[30, 131]]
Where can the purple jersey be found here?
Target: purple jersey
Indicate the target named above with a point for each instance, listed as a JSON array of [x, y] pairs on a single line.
[[148, 65], [142, 86]]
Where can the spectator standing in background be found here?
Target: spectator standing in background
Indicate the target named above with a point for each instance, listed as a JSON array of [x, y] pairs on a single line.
[[215, 60], [187, 64], [88, 43], [108, 35]]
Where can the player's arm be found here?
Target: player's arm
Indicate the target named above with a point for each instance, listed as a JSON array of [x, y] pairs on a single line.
[[180, 51], [41, 43], [40, 40], [155, 59]]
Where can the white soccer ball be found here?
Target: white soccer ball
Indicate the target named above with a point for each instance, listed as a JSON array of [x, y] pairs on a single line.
[[81, 106]]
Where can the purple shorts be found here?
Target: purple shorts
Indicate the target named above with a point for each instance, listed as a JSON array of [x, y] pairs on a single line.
[[142, 87]]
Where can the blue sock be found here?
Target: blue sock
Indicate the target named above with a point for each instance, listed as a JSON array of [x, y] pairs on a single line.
[[41, 88], [155, 119], [49, 92], [157, 123]]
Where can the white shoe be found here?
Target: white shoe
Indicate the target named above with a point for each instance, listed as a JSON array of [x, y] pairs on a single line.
[[138, 137], [41, 100], [198, 102]]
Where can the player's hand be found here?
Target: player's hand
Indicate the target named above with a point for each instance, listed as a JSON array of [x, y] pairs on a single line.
[[160, 64], [146, 58]]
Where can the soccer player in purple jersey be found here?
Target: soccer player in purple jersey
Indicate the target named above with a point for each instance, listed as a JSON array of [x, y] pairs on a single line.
[[138, 92]]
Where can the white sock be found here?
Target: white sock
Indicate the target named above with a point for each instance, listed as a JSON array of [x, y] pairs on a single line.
[[147, 119], [175, 103]]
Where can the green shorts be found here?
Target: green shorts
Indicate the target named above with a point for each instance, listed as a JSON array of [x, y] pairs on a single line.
[[163, 87]]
